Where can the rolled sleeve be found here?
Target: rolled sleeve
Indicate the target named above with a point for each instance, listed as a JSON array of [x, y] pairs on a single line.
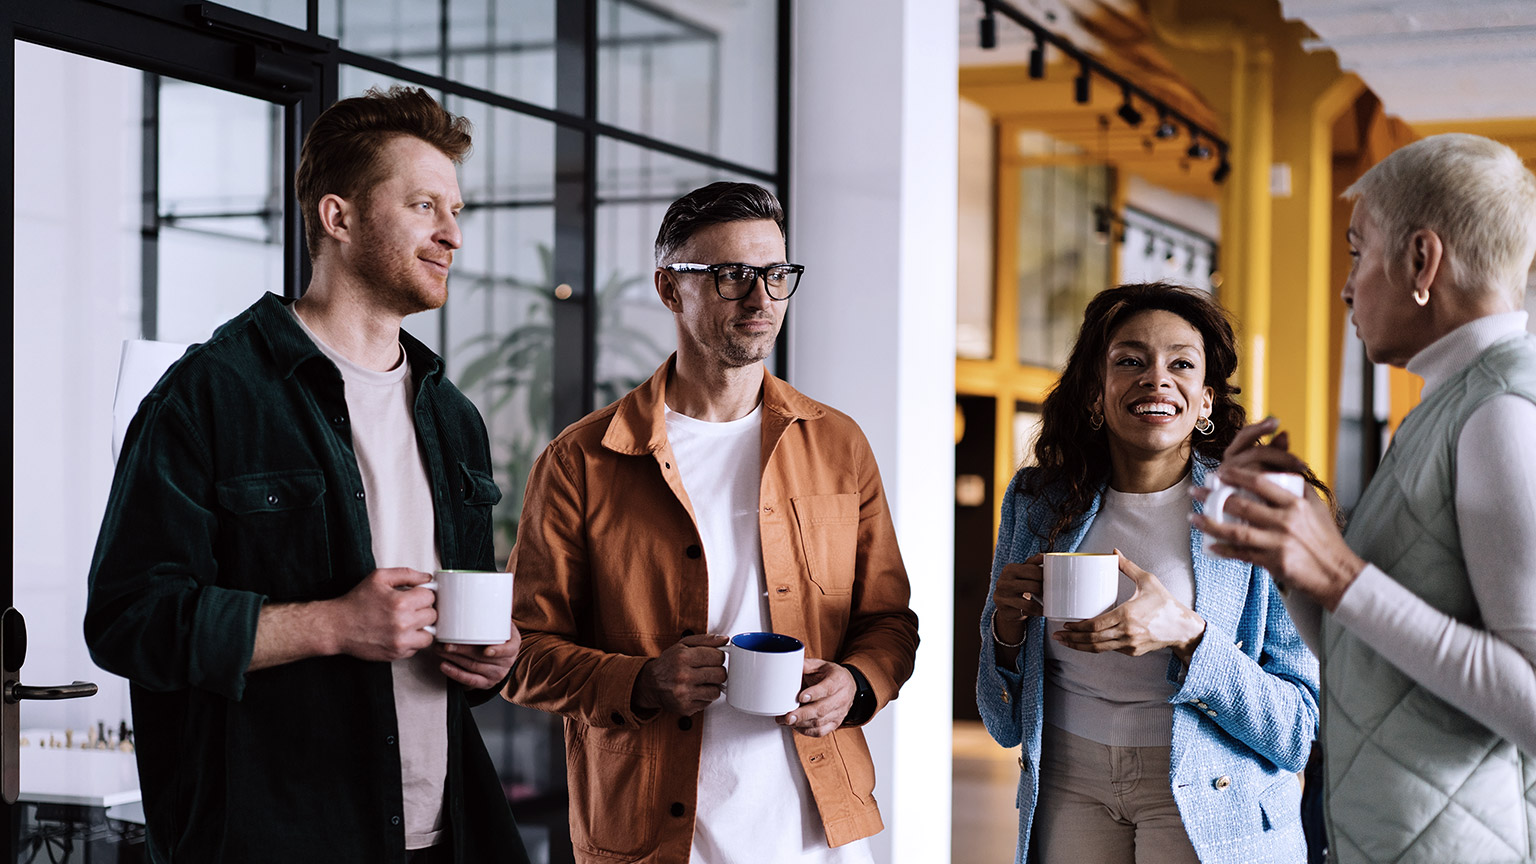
[[153, 613]]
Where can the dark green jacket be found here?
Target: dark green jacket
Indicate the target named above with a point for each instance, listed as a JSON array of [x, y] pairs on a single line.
[[238, 485]]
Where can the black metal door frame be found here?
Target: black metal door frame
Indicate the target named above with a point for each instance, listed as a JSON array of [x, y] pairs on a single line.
[[198, 42]]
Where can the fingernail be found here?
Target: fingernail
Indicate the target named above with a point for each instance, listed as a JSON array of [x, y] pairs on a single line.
[[1028, 596]]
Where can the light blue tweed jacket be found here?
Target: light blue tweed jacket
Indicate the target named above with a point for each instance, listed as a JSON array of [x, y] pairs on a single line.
[[1244, 715]]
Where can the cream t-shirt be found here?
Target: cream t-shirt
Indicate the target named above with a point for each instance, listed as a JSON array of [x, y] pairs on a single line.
[[400, 518], [1111, 698]]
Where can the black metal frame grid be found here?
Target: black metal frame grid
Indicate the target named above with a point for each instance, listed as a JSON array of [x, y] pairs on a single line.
[[299, 71]]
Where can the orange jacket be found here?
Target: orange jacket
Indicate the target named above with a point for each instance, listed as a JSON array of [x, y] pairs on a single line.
[[610, 572]]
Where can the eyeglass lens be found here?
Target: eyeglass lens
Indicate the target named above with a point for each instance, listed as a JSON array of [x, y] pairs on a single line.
[[737, 282]]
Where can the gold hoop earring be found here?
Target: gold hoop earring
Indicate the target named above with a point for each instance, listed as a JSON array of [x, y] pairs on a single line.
[[1421, 299], [1095, 420], [1205, 426]]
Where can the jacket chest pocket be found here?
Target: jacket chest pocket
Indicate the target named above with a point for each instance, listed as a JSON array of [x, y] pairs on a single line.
[[829, 535], [479, 493], [273, 531]]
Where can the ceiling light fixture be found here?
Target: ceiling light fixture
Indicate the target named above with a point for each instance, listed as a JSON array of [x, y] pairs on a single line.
[[1223, 168], [1165, 128], [1080, 85], [1037, 58], [1197, 148], [1127, 111], [988, 26]]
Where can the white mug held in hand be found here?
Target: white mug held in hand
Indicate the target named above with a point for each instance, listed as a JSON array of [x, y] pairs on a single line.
[[1080, 585], [763, 673], [1221, 493], [474, 607]]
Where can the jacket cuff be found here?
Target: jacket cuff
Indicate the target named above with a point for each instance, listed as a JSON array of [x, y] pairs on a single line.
[[616, 691], [223, 639], [1210, 676]]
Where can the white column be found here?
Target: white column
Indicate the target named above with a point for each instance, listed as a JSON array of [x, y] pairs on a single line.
[[872, 216]]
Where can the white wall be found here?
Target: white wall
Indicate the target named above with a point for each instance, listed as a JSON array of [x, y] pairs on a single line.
[[873, 208]]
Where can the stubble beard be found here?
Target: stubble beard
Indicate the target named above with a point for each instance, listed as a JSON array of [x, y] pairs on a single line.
[[396, 277]]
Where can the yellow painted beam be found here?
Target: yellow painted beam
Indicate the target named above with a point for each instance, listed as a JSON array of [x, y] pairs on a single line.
[[1302, 384]]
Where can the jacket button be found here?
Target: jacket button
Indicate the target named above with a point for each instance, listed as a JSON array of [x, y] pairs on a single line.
[[1222, 782], [1210, 713], [685, 723], [359, 494], [782, 589], [617, 718], [271, 499], [677, 808], [394, 820], [338, 420], [1021, 763], [1006, 698], [693, 550], [390, 740]]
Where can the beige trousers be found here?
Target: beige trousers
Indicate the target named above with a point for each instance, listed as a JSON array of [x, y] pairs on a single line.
[[1106, 805]]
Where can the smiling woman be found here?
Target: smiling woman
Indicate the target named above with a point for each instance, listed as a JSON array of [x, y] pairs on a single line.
[[1196, 675]]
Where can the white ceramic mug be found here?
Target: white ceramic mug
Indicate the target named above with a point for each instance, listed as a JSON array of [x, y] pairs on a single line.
[[474, 607], [763, 673], [1221, 493], [1080, 585]]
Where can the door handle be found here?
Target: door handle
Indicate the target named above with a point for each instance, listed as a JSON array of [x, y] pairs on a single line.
[[13, 650], [15, 692]]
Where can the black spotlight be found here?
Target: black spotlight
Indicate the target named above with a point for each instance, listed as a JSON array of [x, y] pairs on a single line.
[[1127, 111], [1197, 148], [989, 28], [1037, 59], [1165, 128], [1223, 169], [1103, 224], [1080, 85]]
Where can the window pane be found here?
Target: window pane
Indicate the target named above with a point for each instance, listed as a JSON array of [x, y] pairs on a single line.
[[1061, 263], [294, 13], [403, 33], [698, 75], [634, 331], [221, 207], [505, 46]]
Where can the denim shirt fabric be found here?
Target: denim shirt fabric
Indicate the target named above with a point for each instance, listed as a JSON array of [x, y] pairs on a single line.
[[1245, 713], [238, 486]]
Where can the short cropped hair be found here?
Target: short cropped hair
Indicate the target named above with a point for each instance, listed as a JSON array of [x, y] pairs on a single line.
[[1471, 191], [341, 151], [714, 204]]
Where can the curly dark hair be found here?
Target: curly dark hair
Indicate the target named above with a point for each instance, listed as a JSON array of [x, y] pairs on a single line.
[[1073, 456]]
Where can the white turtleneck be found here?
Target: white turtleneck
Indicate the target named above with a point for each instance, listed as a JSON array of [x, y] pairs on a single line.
[[1489, 673]]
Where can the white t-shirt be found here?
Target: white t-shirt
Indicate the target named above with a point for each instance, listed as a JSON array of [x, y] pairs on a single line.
[[754, 803], [400, 520], [1111, 698]]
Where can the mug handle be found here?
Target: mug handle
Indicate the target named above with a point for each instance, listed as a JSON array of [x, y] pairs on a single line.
[[430, 586], [1214, 505]]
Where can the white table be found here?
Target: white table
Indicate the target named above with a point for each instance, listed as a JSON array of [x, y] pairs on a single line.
[[85, 778]]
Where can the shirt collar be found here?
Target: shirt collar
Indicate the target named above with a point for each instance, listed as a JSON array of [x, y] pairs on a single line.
[[291, 347], [1457, 349], [639, 422]]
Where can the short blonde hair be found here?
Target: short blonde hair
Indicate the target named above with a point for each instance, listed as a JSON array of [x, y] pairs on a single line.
[[1472, 192]]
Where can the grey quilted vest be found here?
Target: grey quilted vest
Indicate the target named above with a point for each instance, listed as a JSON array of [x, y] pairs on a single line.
[[1410, 777]]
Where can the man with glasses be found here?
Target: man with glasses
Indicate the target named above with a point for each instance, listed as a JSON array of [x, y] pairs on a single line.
[[712, 500]]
